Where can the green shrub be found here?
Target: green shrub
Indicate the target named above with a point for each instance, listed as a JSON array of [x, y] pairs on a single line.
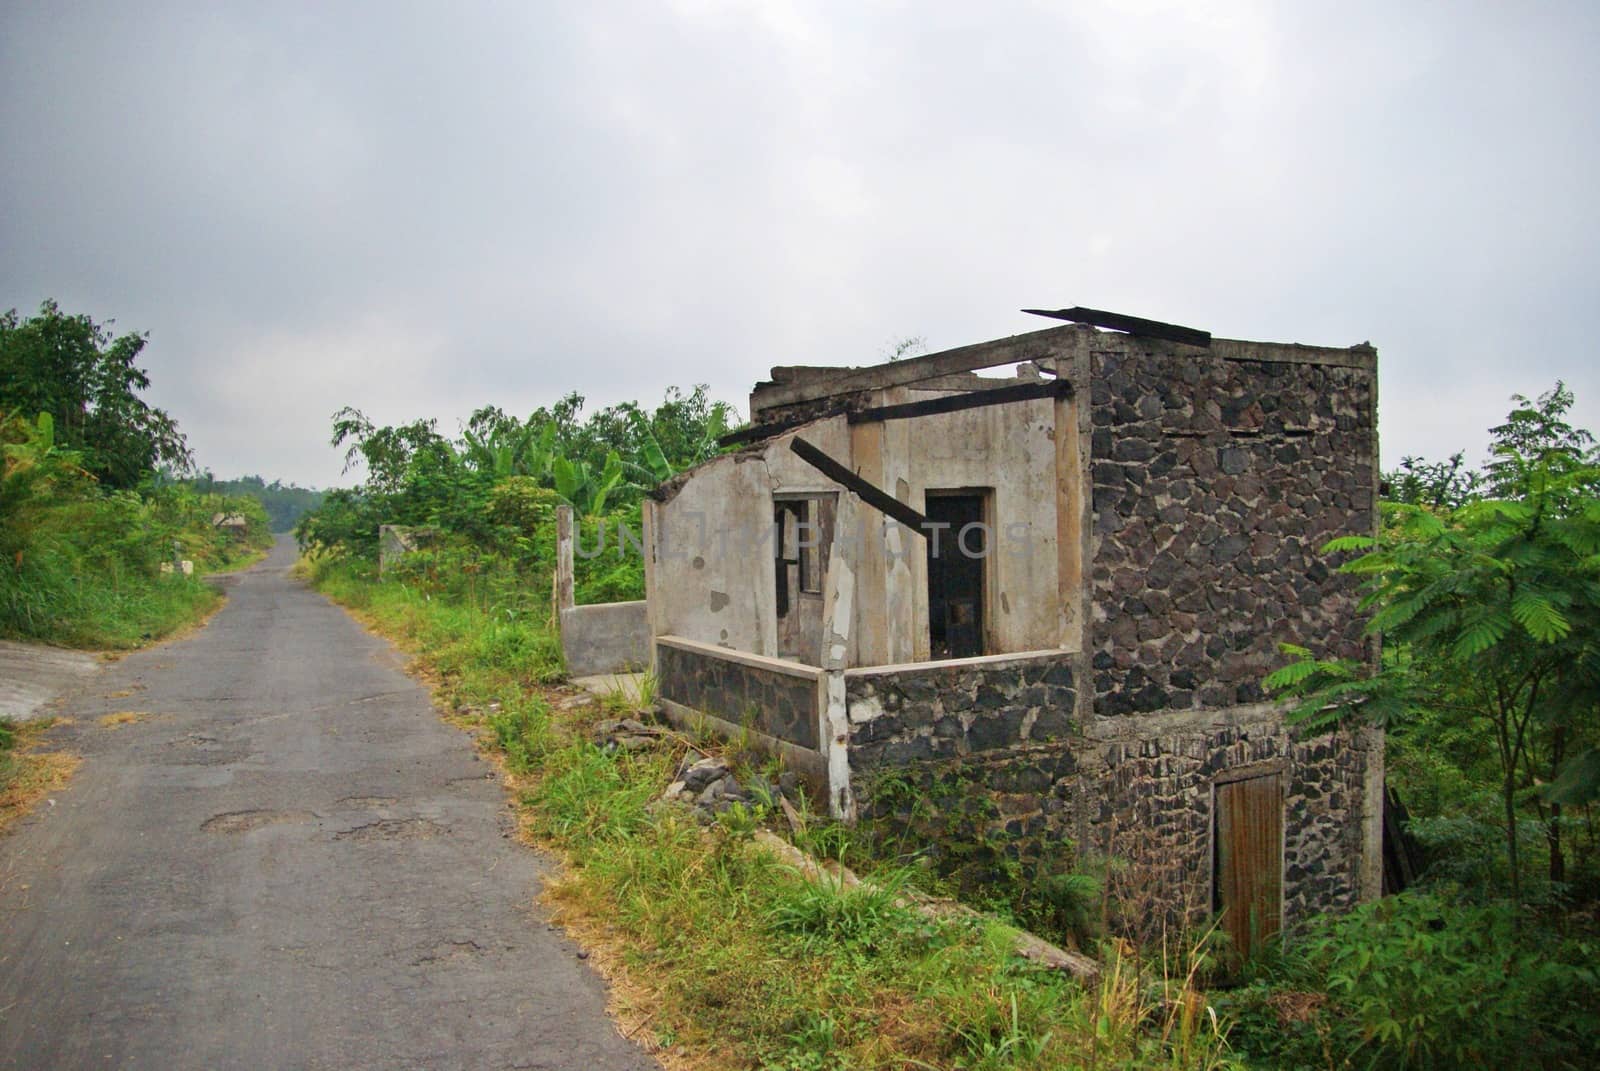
[[1417, 981]]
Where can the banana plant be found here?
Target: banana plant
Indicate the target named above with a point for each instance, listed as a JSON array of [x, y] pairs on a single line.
[[510, 448], [653, 467], [585, 490]]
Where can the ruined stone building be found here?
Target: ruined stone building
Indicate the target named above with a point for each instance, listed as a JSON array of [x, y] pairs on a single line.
[[1062, 587]]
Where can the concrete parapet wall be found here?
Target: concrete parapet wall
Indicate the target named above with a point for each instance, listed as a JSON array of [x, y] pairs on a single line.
[[960, 707], [608, 637], [773, 697]]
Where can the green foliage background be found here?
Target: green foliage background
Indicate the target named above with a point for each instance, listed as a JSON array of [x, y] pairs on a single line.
[[89, 511]]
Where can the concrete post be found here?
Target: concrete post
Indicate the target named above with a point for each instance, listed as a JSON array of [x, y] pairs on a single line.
[[564, 569], [649, 522], [839, 614]]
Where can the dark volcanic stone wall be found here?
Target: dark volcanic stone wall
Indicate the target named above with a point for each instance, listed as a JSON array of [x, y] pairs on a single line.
[[972, 762], [983, 764], [779, 704], [952, 710], [1215, 483], [1154, 807]]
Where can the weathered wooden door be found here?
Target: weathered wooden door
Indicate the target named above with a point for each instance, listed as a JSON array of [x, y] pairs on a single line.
[[1248, 876]]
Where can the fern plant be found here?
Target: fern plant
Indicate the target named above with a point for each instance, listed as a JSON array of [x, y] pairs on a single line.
[[1490, 613]]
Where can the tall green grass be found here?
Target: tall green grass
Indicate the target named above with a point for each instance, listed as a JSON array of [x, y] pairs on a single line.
[[81, 566], [51, 598], [725, 954]]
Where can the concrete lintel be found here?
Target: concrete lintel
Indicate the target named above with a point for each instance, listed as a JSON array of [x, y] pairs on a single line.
[[1118, 727], [983, 661], [1249, 770], [728, 654]]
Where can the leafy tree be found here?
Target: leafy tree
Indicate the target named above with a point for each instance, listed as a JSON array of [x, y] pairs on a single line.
[[1491, 614], [388, 451], [1440, 484], [73, 369]]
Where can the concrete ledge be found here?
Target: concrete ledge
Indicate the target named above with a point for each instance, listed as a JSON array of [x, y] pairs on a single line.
[[31, 675], [744, 658], [977, 662], [607, 637]]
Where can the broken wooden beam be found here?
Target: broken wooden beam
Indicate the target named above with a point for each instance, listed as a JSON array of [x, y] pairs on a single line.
[[757, 432], [954, 403], [1133, 325], [875, 497], [973, 396], [1014, 350]]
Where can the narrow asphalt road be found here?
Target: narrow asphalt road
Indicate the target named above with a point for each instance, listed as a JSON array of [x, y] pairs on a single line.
[[288, 861]]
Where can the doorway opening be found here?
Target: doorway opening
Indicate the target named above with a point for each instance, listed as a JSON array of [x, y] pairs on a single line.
[[803, 531], [958, 549]]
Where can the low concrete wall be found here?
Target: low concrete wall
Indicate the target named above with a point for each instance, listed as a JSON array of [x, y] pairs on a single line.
[[958, 707], [773, 697], [607, 637]]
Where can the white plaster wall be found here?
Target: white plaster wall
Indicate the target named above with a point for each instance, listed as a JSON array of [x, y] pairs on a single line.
[[1009, 449], [712, 577]]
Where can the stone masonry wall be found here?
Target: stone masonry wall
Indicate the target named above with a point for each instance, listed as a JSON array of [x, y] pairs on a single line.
[[972, 761], [1150, 802], [946, 711], [779, 704], [1145, 801], [1216, 483]]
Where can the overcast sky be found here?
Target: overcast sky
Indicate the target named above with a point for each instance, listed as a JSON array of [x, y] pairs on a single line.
[[419, 209]]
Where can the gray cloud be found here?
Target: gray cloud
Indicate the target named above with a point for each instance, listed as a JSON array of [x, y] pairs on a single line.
[[419, 209]]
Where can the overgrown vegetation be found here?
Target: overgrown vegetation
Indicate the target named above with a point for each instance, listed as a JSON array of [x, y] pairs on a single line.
[[284, 503], [86, 518], [728, 956], [1485, 587], [490, 494], [26, 771]]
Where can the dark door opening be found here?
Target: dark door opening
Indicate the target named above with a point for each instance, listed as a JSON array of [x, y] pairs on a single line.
[[958, 545], [1248, 868]]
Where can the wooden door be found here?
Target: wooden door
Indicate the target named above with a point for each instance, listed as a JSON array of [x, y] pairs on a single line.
[[1248, 873]]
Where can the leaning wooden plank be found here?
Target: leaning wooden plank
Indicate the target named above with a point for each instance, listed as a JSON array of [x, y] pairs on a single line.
[[1013, 350], [1133, 325], [976, 392], [872, 496], [954, 403]]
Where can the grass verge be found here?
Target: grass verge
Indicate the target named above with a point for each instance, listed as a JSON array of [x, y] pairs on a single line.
[[28, 773], [720, 955]]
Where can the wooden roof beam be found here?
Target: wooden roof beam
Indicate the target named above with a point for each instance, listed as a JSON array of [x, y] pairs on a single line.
[[1034, 345]]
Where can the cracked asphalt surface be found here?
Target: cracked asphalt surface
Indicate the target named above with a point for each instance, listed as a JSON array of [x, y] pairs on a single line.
[[287, 861]]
